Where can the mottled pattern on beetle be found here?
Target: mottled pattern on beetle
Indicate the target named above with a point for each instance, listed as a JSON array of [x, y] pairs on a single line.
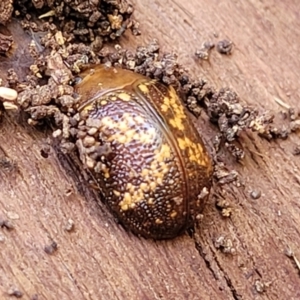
[[196, 162], [140, 175], [134, 135], [167, 102]]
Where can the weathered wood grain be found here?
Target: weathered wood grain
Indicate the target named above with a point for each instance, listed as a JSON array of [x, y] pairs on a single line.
[[98, 259]]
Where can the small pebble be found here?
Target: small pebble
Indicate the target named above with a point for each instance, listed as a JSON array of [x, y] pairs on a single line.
[[56, 133], [92, 131], [9, 106], [8, 93], [6, 224], [224, 47], [88, 141], [50, 249], [255, 194], [70, 225], [13, 291]]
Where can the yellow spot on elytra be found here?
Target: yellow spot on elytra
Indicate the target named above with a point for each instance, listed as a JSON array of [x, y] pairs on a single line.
[[139, 120], [103, 102], [194, 150], [166, 102], [173, 214], [144, 88], [124, 207], [117, 193], [171, 102], [127, 129], [145, 172], [123, 126], [152, 185], [88, 107], [177, 123], [124, 96], [121, 139], [106, 175], [126, 199], [105, 170], [164, 108], [158, 221], [159, 180], [150, 201], [152, 177], [165, 151], [144, 187], [181, 143]]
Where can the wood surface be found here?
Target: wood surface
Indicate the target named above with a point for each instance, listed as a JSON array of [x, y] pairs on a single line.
[[98, 259]]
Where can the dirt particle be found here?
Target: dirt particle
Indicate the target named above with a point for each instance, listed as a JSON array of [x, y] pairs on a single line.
[[295, 125], [6, 42], [51, 248], [204, 50], [8, 165], [225, 245], [296, 150], [255, 194], [223, 175], [6, 10], [45, 151], [224, 206], [4, 223], [263, 125], [57, 133], [225, 47], [235, 150], [70, 225], [293, 113], [261, 286], [67, 147], [15, 292]]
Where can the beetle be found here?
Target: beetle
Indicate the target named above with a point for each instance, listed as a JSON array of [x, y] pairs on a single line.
[[140, 144]]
